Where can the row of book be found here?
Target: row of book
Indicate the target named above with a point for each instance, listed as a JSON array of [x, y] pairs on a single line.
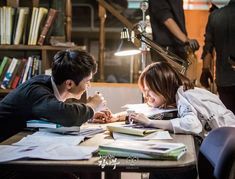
[[15, 71], [22, 26]]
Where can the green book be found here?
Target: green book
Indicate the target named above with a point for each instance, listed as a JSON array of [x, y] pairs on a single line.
[[144, 149], [4, 62], [176, 155]]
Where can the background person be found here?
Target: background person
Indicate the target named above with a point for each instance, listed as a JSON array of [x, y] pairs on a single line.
[[220, 35]]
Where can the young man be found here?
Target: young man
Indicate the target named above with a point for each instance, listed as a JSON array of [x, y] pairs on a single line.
[[42, 97]]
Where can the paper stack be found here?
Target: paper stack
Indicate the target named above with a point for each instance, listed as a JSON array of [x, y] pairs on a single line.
[[143, 149]]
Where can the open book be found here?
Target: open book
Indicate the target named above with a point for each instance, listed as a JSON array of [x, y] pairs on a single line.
[[147, 110], [133, 129], [140, 149]]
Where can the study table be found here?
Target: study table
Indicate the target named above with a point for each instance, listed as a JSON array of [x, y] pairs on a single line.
[[131, 164]]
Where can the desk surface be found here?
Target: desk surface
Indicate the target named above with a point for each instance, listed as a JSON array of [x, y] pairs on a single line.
[[124, 164]]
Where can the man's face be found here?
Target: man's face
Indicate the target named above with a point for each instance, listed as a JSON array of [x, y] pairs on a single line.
[[77, 90]]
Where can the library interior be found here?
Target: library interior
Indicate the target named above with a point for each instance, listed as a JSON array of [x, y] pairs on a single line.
[[117, 89]]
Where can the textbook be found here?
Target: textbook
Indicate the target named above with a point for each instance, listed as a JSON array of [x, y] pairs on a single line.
[[147, 150], [133, 129], [41, 124]]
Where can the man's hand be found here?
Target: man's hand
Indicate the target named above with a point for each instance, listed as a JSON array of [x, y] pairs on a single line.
[[97, 102], [205, 77], [105, 117], [193, 44]]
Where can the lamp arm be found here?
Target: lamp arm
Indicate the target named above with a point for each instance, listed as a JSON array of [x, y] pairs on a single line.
[[178, 63]]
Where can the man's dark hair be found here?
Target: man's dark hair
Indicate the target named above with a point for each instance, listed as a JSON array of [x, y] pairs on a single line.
[[73, 65]]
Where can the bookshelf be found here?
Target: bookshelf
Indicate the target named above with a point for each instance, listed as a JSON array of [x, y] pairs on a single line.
[[45, 52]]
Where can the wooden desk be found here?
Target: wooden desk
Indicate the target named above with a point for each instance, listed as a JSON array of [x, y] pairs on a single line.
[[92, 165]]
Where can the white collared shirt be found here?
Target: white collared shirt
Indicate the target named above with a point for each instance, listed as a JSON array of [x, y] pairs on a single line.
[[55, 90]]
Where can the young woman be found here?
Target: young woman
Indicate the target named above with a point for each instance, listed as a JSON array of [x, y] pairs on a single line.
[[199, 111]]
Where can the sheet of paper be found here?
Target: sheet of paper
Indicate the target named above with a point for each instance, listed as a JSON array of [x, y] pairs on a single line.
[[156, 135], [86, 131], [51, 152], [145, 109], [43, 139]]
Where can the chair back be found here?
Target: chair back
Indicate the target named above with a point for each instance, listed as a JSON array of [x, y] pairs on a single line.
[[216, 158]]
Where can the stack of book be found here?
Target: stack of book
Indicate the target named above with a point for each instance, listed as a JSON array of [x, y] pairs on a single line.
[[41, 124], [143, 149]]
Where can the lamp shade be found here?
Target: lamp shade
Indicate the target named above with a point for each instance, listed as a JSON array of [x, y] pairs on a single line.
[[126, 48]]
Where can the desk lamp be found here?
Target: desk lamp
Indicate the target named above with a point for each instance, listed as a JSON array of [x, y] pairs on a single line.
[[146, 43]]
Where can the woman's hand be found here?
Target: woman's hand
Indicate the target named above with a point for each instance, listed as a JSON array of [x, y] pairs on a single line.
[[140, 118], [106, 116]]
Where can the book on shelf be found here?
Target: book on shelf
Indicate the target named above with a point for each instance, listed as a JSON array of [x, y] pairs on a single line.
[[42, 12], [41, 124], [32, 24], [9, 24], [5, 68], [27, 68], [3, 24], [20, 28], [19, 71], [47, 26], [133, 129], [143, 149], [9, 73], [3, 64], [14, 74]]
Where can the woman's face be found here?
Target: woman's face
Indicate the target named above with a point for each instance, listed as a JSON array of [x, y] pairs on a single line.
[[151, 98]]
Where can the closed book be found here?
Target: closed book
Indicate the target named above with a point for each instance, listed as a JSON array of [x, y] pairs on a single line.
[[4, 62], [42, 12], [21, 23], [175, 155], [47, 26], [132, 129], [5, 68], [14, 74], [41, 124], [9, 24], [3, 25], [23, 72], [26, 71], [32, 24], [16, 79], [148, 149]]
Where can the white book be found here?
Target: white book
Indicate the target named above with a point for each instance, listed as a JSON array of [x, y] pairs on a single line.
[[32, 25], [23, 11], [42, 12], [29, 62]]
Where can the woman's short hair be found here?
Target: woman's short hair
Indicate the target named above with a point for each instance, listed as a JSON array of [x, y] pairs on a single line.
[[73, 65], [163, 80]]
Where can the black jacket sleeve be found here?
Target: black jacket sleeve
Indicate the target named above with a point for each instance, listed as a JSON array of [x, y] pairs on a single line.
[[45, 105]]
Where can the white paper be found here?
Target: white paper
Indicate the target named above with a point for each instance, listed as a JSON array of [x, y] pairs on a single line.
[[146, 109], [85, 131], [159, 135], [51, 152], [46, 138]]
